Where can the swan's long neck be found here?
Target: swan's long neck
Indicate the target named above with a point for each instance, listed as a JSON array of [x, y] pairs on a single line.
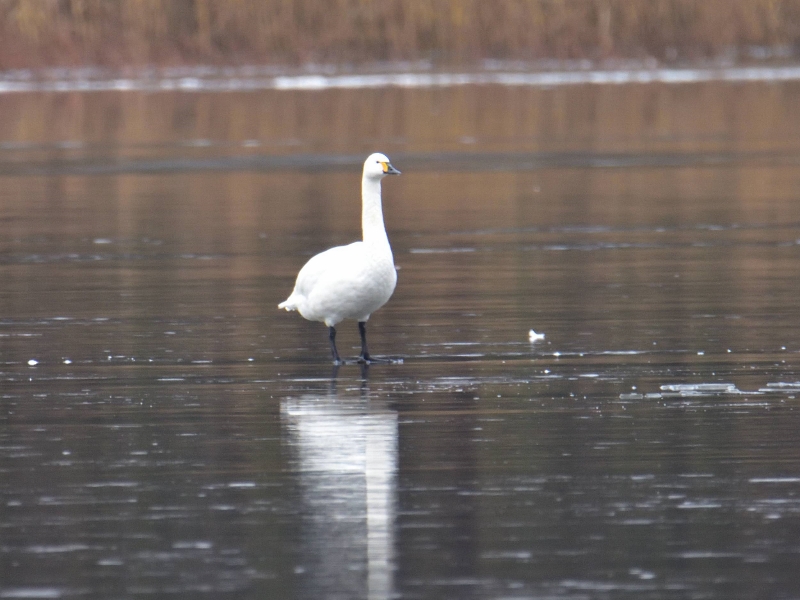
[[372, 227]]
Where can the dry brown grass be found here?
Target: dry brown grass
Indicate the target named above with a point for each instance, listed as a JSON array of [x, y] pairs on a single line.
[[451, 32]]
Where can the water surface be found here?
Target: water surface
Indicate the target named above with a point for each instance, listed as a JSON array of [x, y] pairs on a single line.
[[165, 431]]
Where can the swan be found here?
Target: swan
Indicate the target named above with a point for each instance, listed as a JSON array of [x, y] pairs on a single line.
[[353, 281]]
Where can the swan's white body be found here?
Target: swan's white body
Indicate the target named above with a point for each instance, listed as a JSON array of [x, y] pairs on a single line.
[[346, 282], [353, 281]]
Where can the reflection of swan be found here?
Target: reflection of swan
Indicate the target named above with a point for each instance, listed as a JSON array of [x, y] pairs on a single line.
[[353, 281], [346, 456]]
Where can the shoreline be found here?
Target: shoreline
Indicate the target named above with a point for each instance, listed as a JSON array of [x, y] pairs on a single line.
[[403, 75]]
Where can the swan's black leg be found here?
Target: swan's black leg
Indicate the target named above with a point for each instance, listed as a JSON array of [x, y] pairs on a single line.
[[362, 329], [334, 352], [365, 358]]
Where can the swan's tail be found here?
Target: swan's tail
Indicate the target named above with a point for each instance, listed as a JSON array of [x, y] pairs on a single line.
[[289, 304]]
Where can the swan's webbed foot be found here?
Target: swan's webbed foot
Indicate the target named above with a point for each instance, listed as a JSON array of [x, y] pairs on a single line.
[[365, 358], [368, 359]]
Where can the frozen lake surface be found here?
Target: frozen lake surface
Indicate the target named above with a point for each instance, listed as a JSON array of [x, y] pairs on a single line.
[[166, 431]]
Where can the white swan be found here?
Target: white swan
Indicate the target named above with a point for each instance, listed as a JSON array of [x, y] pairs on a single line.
[[353, 281]]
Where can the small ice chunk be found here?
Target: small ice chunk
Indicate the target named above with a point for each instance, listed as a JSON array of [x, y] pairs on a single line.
[[192, 545], [31, 592], [535, 337], [110, 562], [32, 362]]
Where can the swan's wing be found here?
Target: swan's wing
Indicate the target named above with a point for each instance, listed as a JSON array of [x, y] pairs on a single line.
[[324, 265]]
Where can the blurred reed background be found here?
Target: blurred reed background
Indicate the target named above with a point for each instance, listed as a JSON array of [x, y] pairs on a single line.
[[35, 33]]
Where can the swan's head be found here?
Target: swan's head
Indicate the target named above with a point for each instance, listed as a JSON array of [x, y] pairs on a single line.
[[378, 166]]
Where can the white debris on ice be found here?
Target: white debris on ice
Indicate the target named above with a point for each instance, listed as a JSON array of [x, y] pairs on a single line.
[[535, 337]]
